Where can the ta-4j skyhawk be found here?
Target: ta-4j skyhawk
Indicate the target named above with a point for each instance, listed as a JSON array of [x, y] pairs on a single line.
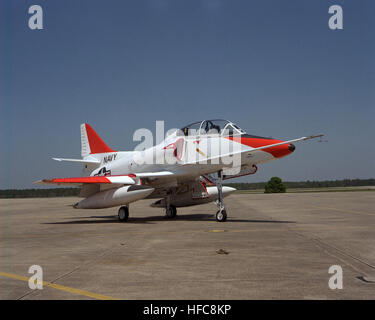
[[187, 168]]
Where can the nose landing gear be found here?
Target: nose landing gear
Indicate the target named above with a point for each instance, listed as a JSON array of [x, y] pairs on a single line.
[[221, 215]]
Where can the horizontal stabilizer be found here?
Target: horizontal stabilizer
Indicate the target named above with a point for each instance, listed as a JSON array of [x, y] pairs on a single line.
[[94, 161]]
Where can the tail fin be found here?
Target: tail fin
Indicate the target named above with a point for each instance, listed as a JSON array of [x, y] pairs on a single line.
[[91, 143]]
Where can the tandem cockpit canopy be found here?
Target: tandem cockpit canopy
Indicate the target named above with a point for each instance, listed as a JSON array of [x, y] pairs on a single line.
[[210, 127]]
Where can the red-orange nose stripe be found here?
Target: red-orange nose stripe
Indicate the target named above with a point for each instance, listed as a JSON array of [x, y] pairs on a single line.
[[277, 151]]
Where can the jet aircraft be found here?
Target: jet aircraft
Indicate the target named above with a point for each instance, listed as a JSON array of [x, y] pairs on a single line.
[[187, 168]]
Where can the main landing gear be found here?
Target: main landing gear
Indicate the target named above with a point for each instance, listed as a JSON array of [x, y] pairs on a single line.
[[123, 214], [221, 215], [171, 212], [170, 209]]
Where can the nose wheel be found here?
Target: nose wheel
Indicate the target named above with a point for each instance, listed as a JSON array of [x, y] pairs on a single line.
[[221, 216]]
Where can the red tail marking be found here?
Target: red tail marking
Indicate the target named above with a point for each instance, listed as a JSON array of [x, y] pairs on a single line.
[[97, 145]]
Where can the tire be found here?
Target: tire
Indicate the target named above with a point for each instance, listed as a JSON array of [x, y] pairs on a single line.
[[171, 212], [123, 214], [221, 216]]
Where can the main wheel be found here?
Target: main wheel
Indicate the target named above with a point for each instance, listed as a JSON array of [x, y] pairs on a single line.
[[171, 212], [123, 214], [221, 216]]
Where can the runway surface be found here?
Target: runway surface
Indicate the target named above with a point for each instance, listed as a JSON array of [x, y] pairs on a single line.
[[273, 246]]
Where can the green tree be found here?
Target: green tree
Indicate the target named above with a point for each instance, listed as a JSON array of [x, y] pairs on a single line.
[[274, 185]]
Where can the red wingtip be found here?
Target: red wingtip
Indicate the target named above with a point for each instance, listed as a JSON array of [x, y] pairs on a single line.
[[97, 145]]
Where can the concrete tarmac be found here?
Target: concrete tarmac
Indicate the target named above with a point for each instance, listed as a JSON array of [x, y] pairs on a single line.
[[273, 246]]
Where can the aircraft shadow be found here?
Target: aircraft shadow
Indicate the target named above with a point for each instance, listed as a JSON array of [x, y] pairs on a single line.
[[152, 219]]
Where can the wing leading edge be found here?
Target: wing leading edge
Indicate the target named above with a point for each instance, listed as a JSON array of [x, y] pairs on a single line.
[[121, 179], [77, 181]]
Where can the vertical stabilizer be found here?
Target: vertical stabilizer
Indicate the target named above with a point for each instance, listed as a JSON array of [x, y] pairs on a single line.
[[91, 143], [85, 147]]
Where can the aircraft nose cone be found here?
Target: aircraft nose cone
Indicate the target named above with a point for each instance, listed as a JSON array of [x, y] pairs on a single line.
[[291, 147]]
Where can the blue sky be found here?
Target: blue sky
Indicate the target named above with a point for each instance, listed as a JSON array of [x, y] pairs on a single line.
[[272, 67]]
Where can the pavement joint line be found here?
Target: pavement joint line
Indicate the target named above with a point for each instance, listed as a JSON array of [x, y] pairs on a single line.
[[326, 246], [75, 269], [343, 210], [135, 233], [60, 287], [343, 252]]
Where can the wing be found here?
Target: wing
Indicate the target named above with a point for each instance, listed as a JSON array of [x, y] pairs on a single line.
[[120, 179], [77, 181], [158, 174]]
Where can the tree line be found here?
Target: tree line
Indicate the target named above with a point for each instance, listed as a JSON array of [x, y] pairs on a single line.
[[307, 184], [39, 193], [73, 192]]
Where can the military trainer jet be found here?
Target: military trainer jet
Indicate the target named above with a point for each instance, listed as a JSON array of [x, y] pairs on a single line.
[[187, 168]]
